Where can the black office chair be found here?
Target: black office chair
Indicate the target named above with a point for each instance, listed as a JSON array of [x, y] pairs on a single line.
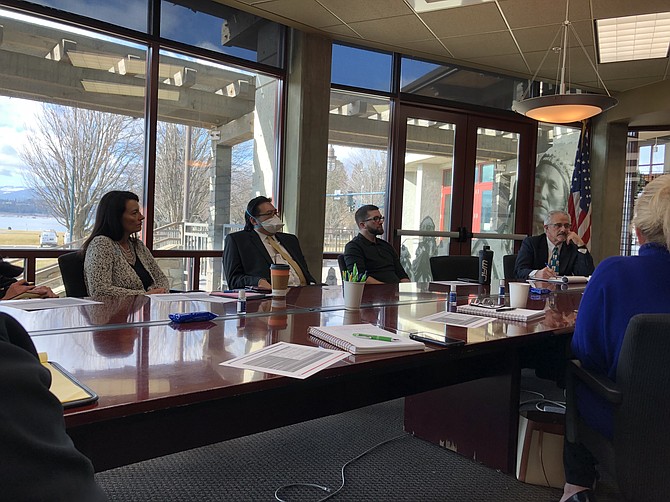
[[450, 268], [341, 263], [509, 261], [639, 455], [72, 271]]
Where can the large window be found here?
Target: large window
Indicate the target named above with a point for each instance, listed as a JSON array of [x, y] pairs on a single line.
[[357, 164], [72, 117]]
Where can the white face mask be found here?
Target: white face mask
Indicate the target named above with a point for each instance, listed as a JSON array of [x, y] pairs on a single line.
[[271, 225]]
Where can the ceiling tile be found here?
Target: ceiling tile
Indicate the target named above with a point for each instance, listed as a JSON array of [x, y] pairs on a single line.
[[541, 37], [603, 9], [639, 68], [393, 30], [308, 12], [526, 13], [512, 62], [485, 44], [351, 11], [340, 30], [465, 20], [432, 46]]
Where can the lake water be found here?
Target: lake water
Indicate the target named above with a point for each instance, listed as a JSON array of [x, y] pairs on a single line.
[[27, 222]]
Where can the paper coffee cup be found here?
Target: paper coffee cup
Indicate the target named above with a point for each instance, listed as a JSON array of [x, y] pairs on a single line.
[[279, 274], [518, 294]]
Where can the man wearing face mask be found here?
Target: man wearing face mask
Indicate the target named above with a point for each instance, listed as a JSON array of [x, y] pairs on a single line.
[[248, 254], [559, 251]]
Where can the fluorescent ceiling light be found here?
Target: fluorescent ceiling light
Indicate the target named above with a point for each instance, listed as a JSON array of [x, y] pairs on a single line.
[[430, 5], [633, 37]]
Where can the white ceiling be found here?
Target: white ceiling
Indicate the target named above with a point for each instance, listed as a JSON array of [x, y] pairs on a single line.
[[508, 36]]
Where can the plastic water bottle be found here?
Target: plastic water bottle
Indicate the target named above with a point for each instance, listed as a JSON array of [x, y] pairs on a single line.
[[485, 264], [453, 303], [501, 292], [241, 302]]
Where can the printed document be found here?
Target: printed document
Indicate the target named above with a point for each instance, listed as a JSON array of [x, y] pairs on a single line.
[[456, 319], [288, 359]]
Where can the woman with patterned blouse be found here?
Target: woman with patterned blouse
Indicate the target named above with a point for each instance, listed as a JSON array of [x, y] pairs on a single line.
[[116, 262]]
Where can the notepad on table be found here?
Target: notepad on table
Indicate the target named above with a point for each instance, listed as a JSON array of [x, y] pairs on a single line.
[[70, 391], [522, 315], [343, 338]]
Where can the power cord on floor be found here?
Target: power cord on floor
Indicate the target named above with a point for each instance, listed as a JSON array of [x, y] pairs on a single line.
[[325, 488]]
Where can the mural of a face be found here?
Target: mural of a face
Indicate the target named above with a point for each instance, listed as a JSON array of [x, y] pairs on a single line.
[[552, 183]]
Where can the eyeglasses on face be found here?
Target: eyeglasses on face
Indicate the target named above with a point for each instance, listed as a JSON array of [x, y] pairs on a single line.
[[558, 226], [376, 219], [274, 212]]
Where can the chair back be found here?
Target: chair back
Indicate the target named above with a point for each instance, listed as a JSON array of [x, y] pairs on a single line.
[[341, 263], [72, 271], [641, 439], [509, 260], [450, 268]]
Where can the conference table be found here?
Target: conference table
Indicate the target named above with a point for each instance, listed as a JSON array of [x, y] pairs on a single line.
[[162, 389]]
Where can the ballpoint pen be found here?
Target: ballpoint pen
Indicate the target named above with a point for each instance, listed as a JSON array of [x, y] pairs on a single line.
[[377, 337]]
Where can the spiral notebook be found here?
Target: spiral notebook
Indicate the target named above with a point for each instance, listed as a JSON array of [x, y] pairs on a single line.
[[522, 315], [343, 338]]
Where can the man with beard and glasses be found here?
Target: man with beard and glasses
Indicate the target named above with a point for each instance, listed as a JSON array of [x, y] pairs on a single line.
[[559, 251], [371, 255], [248, 254]]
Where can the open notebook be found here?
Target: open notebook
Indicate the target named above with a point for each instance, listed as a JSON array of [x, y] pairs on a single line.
[[343, 338], [70, 391]]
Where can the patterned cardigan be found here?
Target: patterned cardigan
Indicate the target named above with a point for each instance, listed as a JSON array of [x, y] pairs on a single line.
[[107, 273]]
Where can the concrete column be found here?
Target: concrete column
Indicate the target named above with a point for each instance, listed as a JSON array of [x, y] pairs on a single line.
[[306, 147], [219, 208]]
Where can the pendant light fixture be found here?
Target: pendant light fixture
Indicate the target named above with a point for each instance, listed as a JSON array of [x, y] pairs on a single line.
[[564, 107]]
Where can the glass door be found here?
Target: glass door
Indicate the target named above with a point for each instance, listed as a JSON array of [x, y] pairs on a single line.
[[461, 179]]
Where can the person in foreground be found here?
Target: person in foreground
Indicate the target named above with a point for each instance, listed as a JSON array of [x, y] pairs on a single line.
[[620, 288], [39, 461], [372, 255], [11, 288], [116, 262], [559, 251], [248, 254]]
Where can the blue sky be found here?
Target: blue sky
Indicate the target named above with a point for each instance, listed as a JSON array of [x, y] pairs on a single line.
[[15, 115]]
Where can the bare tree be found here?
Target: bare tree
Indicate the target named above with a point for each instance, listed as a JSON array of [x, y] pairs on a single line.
[[78, 155], [170, 164]]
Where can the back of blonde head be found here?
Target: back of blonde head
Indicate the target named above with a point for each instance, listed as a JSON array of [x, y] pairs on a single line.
[[652, 211]]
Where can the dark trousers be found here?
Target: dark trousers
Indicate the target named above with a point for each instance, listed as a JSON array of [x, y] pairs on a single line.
[[579, 464]]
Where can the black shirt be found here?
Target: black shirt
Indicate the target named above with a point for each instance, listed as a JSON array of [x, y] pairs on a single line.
[[142, 273], [377, 258]]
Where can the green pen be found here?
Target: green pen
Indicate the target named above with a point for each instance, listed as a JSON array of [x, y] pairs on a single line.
[[377, 337]]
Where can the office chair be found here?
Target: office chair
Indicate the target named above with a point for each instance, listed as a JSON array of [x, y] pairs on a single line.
[[509, 260], [450, 268], [72, 271], [639, 455], [341, 263]]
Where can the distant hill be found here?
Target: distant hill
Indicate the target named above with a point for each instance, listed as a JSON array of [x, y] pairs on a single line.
[[16, 193], [20, 200]]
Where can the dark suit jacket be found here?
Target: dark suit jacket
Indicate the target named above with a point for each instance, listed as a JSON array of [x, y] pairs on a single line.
[[533, 256], [246, 261], [39, 460]]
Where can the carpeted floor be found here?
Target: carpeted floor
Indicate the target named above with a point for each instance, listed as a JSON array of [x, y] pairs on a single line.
[[253, 467]]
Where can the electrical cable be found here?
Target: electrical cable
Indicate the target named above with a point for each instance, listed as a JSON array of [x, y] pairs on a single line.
[[325, 488]]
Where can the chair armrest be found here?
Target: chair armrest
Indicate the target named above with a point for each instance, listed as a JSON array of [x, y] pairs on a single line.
[[598, 383]]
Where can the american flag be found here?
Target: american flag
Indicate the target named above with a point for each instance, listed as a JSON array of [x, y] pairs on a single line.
[[579, 201]]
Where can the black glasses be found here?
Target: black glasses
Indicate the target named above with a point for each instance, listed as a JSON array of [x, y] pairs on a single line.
[[376, 219], [270, 213]]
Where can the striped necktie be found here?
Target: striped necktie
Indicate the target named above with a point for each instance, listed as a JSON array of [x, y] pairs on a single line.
[[289, 259], [553, 261]]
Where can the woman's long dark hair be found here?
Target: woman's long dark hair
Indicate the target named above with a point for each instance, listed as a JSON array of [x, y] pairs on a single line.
[[108, 217]]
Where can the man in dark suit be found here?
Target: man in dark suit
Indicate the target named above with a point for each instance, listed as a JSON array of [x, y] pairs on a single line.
[[248, 254], [558, 251]]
